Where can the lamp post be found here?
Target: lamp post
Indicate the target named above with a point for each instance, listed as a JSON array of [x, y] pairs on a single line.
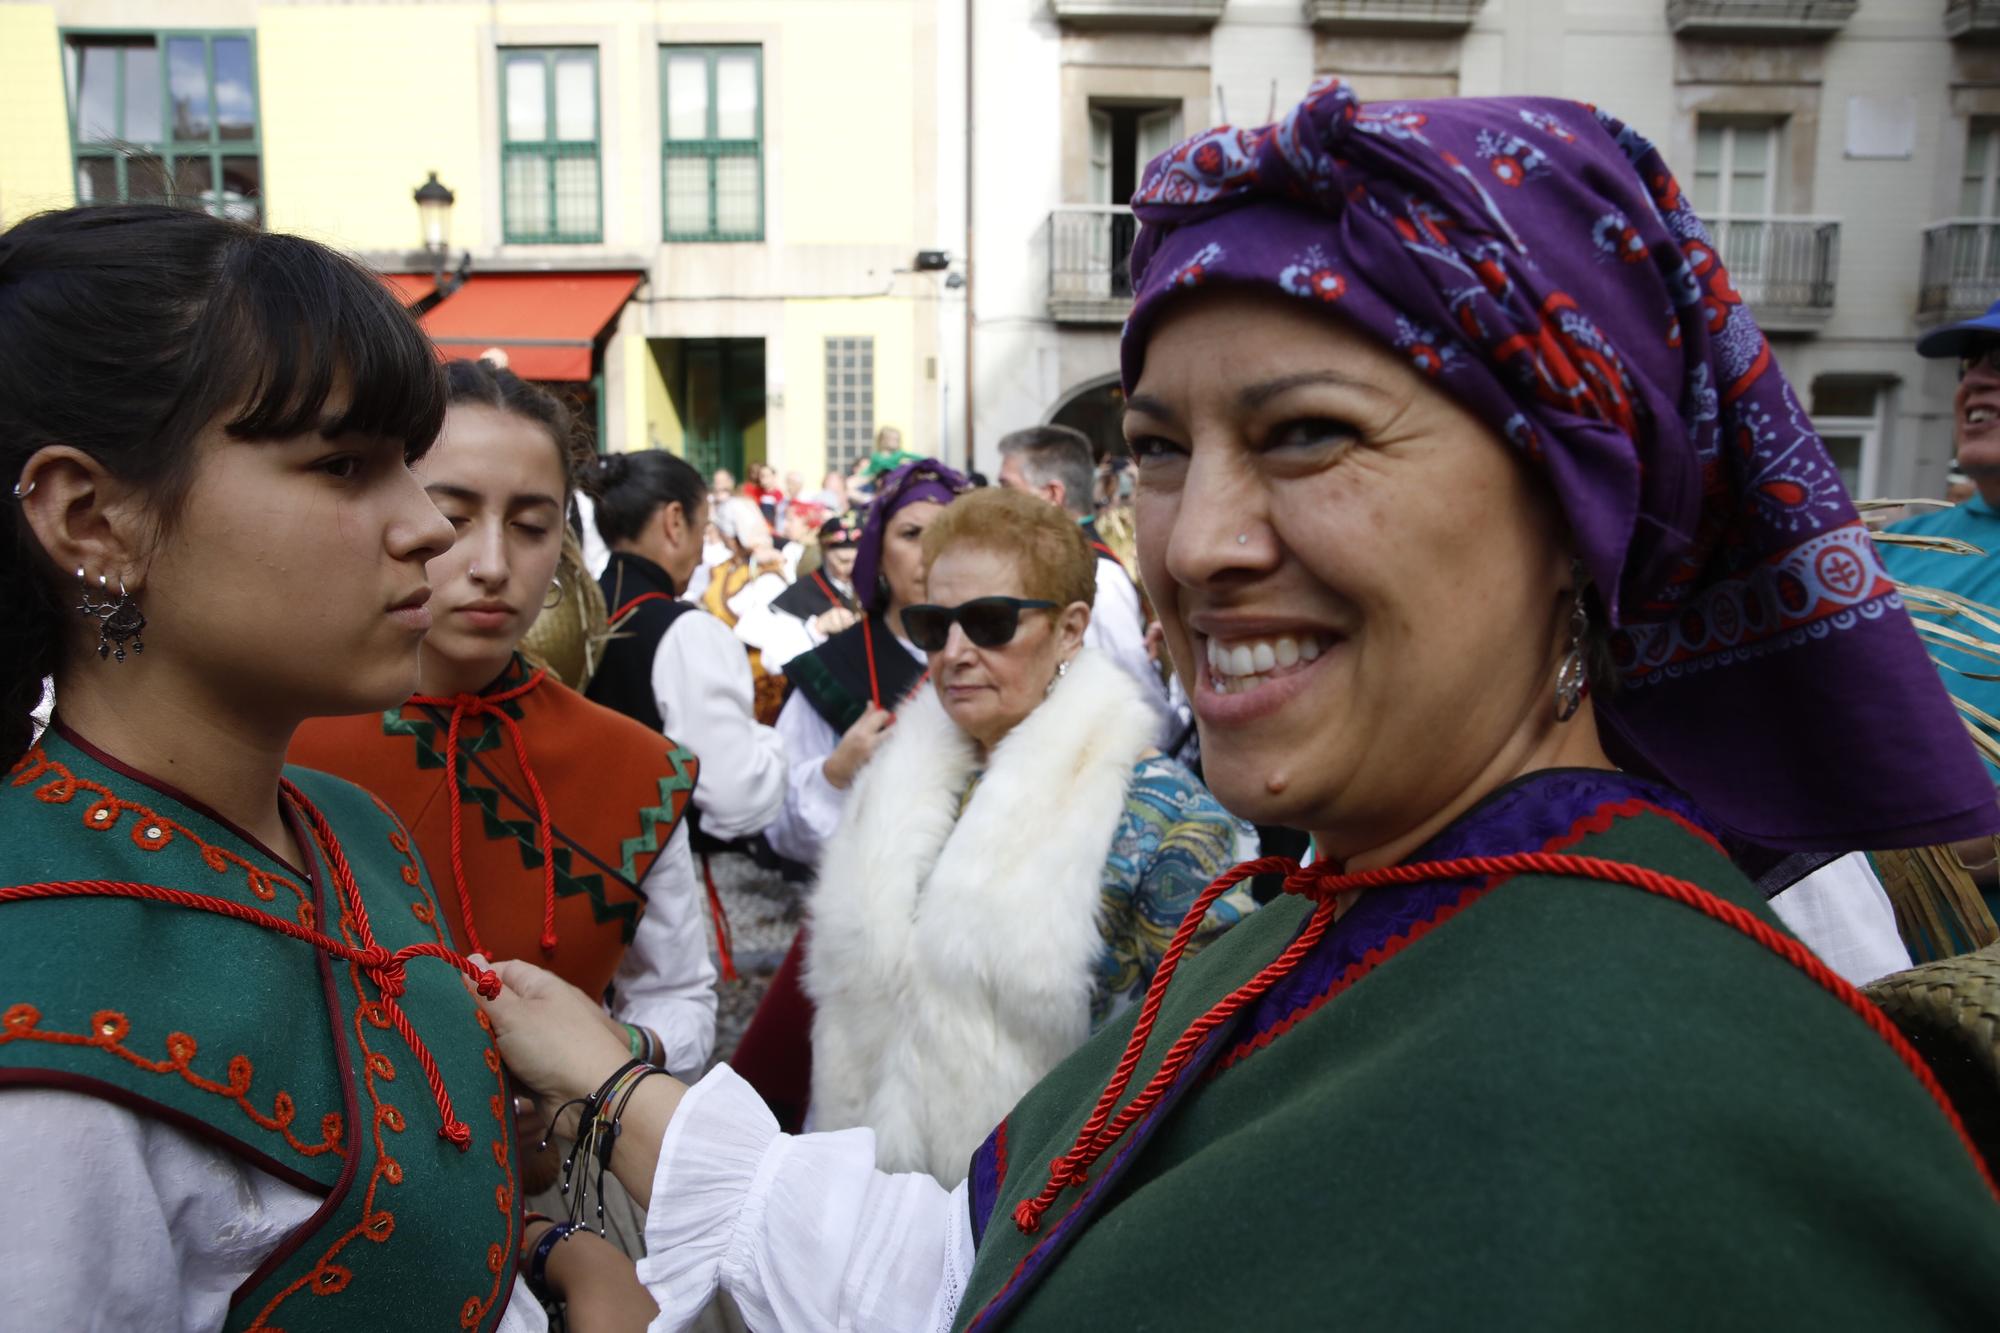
[[434, 203]]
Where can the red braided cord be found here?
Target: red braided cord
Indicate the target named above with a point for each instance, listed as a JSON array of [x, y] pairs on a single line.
[[1156, 990], [452, 1127], [1321, 884], [868, 642], [643, 597], [476, 705]]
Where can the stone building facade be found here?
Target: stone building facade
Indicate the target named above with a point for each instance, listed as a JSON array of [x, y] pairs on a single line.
[[1847, 151]]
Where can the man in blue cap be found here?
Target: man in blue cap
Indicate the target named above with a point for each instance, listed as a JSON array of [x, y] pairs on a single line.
[[1976, 427]]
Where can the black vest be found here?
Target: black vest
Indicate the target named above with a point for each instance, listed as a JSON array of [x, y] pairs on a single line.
[[834, 676], [806, 598], [644, 593]]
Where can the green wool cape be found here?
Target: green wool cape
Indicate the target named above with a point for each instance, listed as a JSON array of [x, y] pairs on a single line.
[[1541, 1103], [260, 1043]]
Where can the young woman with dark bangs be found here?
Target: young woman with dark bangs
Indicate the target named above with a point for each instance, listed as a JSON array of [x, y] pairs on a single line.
[[243, 1080]]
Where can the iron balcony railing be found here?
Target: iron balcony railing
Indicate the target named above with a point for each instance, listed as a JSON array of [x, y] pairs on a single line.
[[1780, 265], [1090, 262], [1961, 274], [1977, 20], [1137, 13], [1777, 18], [1405, 17]]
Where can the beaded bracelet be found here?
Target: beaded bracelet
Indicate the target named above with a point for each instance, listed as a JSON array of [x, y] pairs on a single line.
[[538, 1261], [597, 1136], [644, 1044]]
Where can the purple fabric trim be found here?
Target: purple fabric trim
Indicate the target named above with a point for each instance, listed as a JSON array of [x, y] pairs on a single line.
[[1057, 1238], [1522, 817], [982, 1193], [1538, 260]]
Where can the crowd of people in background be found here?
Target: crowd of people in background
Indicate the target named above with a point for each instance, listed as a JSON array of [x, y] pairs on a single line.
[[1437, 858]]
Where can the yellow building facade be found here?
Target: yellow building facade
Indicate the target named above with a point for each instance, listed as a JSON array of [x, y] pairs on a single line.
[[760, 168]]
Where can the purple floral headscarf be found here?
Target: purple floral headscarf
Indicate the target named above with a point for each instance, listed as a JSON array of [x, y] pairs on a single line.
[[1538, 260], [925, 479]]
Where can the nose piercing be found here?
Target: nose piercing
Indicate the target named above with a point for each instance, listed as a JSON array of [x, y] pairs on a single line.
[[1242, 539]]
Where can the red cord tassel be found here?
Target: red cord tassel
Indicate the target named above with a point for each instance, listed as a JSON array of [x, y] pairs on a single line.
[[723, 953]]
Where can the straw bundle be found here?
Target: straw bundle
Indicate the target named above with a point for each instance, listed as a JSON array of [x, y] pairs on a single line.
[[568, 638]]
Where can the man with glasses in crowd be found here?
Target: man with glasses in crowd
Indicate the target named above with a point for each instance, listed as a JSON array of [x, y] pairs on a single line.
[[1054, 463]]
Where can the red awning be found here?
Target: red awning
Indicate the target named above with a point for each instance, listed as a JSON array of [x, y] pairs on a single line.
[[545, 322], [409, 288]]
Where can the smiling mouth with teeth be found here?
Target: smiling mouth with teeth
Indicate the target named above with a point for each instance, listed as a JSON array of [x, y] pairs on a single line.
[[1980, 415], [1241, 665]]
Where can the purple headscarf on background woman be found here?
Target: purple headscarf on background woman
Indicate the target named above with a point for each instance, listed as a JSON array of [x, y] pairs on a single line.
[[1538, 260], [925, 479]]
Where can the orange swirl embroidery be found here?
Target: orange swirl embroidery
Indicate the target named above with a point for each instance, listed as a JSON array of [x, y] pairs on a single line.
[[497, 1255], [109, 1028], [424, 908], [327, 1276], [152, 831]]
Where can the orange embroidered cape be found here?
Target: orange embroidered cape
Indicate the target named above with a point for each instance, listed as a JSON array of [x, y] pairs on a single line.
[[614, 790], [259, 1042]]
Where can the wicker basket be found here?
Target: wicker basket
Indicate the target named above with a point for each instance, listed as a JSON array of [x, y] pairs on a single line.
[[1950, 1011]]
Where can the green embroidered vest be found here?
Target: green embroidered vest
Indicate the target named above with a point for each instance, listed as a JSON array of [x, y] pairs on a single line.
[[260, 1042], [1542, 1103]]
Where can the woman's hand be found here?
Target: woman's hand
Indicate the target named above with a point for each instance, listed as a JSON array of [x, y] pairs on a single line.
[[598, 1285], [832, 622], [552, 1035], [857, 747]]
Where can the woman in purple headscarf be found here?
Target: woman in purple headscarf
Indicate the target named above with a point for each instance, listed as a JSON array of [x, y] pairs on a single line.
[[844, 690], [1494, 551]]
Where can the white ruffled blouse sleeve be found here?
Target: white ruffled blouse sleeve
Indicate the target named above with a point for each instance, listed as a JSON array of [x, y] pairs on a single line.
[[812, 805], [801, 1230], [666, 980]]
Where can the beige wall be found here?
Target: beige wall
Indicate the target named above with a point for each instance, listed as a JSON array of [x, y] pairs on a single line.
[[34, 151], [359, 102]]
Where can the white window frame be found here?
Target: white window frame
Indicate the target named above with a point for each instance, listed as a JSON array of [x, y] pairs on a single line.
[[1869, 429]]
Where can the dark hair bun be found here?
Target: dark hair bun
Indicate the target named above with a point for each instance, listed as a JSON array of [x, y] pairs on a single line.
[[608, 470], [632, 487]]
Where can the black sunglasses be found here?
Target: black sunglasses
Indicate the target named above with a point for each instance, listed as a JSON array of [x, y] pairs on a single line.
[[988, 621]]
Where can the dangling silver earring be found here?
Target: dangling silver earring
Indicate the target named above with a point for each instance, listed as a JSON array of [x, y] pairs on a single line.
[[1062, 669], [1573, 676], [117, 622]]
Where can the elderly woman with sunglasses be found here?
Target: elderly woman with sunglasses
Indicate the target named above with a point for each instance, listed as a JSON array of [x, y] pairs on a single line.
[[1460, 392], [1013, 861]]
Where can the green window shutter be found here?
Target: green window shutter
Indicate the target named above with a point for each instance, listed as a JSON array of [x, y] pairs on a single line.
[[712, 142], [166, 116], [551, 170]]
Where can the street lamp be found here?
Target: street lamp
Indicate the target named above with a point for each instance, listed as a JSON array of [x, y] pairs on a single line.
[[434, 209]]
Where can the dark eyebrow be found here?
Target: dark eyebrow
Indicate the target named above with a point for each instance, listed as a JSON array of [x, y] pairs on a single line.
[[469, 496], [1151, 406], [1254, 396], [1259, 395]]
